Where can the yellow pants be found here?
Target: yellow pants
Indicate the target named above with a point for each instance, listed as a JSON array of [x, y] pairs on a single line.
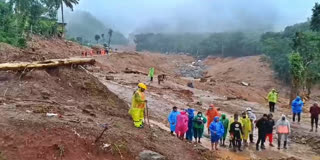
[[137, 116]]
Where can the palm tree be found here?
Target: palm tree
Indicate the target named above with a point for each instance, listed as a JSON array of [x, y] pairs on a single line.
[[110, 35], [69, 4]]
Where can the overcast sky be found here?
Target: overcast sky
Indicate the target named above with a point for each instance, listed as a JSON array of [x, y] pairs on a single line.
[[130, 16]]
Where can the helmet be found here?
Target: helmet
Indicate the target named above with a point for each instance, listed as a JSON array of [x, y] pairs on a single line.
[[143, 86], [248, 109]]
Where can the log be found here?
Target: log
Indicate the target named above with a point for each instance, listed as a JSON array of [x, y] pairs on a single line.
[[46, 63]]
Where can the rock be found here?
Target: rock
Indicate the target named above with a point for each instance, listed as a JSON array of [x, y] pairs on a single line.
[[231, 98], [202, 80], [109, 78], [245, 84], [150, 155]]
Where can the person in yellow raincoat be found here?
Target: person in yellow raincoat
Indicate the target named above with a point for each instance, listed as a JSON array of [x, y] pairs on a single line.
[[138, 105], [246, 128]]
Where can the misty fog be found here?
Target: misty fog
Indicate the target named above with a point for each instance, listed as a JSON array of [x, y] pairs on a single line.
[[137, 16]]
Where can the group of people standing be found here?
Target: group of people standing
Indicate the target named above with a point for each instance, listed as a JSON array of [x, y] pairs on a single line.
[[240, 127], [297, 109]]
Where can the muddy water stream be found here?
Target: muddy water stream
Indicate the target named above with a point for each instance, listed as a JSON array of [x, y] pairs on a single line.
[[160, 106]]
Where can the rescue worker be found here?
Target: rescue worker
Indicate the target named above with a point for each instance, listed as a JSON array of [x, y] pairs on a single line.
[[272, 98], [283, 131], [252, 118], [297, 105], [211, 113], [314, 111], [217, 130], [151, 73], [262, 126], [172, 118], [182, 124], [138, 105], [270, 126], [198, 126], [246, 128], [235, 133], [225, 121], [190, 131]]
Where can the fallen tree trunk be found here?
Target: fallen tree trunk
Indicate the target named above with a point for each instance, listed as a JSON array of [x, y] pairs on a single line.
[[46, 63], [130, 71]]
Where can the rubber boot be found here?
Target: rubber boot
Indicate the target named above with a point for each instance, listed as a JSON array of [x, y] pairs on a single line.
[[285, 145], [279, 144], [251, 138], [262, 146], [239, 146], [257, 147]]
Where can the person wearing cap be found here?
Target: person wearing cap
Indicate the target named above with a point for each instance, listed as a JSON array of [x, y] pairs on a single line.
[[297, 105], [211, 113], [272, 98], [283, 130], [314, 111], [252, 118], [138, 104]]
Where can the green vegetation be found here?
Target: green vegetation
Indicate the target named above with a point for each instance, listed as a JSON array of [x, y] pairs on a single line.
[[295, 54], [203, 45], [85, 26], [21, 18]]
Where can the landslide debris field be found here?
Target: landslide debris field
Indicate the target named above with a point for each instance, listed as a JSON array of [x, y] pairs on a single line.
[[88, 97]]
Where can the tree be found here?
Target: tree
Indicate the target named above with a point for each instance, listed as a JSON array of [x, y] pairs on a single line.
[[102, 36], [315, 19], [297, 74], [110, 35], [97, 38], [69, 4]]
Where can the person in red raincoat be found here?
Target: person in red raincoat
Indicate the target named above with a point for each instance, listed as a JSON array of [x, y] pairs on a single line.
[[211, 113], [182, 124]]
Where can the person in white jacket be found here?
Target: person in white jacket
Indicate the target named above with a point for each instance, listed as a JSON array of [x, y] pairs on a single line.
[[252, 118], [283, 130]]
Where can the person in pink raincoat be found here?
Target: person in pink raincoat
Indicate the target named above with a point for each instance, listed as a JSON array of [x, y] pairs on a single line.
[[182, 124]]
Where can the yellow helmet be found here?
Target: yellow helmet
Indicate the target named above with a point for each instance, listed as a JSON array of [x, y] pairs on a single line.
[[143, 86]]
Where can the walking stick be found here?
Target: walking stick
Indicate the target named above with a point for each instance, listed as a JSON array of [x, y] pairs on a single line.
[[105, 126], [147, 111]]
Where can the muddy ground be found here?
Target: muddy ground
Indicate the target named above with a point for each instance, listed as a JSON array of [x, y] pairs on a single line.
[[83, 106], [174, 92], [84, 101]]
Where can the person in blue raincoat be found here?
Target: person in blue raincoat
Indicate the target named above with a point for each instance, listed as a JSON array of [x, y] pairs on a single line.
[[217, 130], [189, 134], [297, 105], [172, 118]]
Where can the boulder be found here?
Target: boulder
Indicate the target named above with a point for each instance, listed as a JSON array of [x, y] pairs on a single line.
[[109, 78], [150, 155]]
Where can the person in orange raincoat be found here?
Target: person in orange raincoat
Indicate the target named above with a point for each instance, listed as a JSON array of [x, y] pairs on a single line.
[[211, 113]]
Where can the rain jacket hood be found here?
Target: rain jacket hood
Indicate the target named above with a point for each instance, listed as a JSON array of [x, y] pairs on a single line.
[[182, 123], [216, 127], [211, 113], [172, 118], [283, 126], [297, 105]]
